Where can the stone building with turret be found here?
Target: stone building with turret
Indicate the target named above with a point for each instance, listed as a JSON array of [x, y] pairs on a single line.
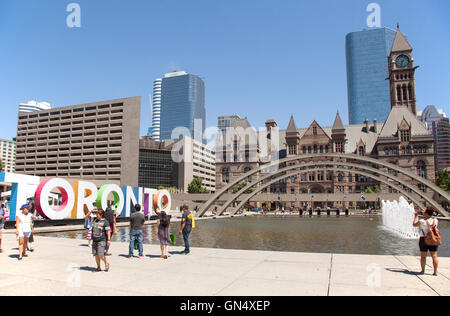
[[401, 140]]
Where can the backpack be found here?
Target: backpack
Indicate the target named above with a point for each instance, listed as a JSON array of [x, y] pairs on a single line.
[[433, 237]]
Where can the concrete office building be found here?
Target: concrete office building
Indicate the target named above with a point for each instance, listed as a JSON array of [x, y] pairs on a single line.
[[156, 166], [225, 122], [441, 132], [431, 115], [33, 106], [197, 161], [176, 163], [367, 69], [182, 105], [96, 141], [8, 155], [438, 124]]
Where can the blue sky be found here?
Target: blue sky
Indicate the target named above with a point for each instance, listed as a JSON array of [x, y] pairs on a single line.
[[261, 59]]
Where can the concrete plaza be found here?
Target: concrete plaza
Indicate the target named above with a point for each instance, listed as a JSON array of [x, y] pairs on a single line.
[[64, 267]]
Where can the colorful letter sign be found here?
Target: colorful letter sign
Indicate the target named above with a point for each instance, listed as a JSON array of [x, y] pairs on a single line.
[[76, 199]]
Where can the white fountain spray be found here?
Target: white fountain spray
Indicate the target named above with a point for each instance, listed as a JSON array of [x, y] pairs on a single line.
[[398, 217]]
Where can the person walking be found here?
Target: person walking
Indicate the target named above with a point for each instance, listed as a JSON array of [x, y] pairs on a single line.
[[101, 237], [164, 234], [187, 223], [24, 229], [2, 218], [425, 225], [109, 216], [88, 224], [137, 221], [32, 210]]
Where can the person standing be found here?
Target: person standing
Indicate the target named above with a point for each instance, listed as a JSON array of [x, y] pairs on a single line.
[[187, 223], [33, 212], [164, 233], [109, 216], [425, 225], [24, 229], [2, 218], [101, 237], [137, 221]]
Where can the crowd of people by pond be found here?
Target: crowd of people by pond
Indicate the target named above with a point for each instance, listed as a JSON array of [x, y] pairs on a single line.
[[101, 225]]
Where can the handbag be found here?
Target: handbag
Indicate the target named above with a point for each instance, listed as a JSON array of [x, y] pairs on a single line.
[[433, 237]]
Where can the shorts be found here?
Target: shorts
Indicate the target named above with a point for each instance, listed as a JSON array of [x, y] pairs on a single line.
[[425, 248], [24, 234], [99, 248]]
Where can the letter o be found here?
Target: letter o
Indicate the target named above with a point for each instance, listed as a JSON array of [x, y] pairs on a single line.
[[41, 199], [162, 197], [102, 198]]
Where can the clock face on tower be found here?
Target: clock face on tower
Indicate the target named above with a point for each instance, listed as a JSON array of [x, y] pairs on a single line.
[[402, 61]]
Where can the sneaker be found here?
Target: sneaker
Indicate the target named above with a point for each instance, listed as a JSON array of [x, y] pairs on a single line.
[[187, 252], [141, 256]]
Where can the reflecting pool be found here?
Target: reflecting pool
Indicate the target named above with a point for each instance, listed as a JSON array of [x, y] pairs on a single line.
[[350, 235]]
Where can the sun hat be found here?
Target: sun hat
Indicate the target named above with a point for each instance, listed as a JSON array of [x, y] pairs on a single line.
[[24, 206]]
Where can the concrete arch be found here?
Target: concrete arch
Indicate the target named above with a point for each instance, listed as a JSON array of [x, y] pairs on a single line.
[[325, 164], [330, 162], [406, 194]]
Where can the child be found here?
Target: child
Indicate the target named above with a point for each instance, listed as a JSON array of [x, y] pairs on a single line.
[[88, 225], [163, 233]]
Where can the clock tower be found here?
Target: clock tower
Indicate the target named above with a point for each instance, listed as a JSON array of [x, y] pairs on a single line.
[[401, 74]]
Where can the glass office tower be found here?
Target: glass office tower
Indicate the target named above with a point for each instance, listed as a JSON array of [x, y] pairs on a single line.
[[367, 54], [182, 105]]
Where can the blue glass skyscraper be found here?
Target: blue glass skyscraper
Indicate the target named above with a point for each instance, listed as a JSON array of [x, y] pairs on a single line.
[[367, 54], [182, 105]]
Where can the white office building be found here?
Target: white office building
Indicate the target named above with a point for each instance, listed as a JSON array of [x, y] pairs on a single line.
[[33, 106], [156, 109], [8, 155]]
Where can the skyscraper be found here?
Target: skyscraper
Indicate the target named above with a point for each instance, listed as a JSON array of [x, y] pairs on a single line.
[[438, 124], [156, 109], [33, 106], [367, 54], [182, 105]]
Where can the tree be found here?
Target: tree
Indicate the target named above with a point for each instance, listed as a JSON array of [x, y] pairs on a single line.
[[171, 190], [1, 166], [196, 186], [377, 189], [369, 190], [240, 187], [443, 180]]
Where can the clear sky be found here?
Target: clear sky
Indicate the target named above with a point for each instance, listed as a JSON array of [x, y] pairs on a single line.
[[259, 58]]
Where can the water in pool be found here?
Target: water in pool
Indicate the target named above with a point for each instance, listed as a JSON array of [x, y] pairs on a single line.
[[351, 235]]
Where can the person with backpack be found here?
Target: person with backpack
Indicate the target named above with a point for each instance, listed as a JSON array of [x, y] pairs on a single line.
[[109, 216], [101, 237], [164, 233], [430, 239], [187, 223]]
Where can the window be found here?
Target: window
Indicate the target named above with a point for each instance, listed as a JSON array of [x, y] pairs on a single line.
[[246, 170], [292, 150], [339, 147], [421, 169], [361, 151], [405, 135], [225, 175]]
